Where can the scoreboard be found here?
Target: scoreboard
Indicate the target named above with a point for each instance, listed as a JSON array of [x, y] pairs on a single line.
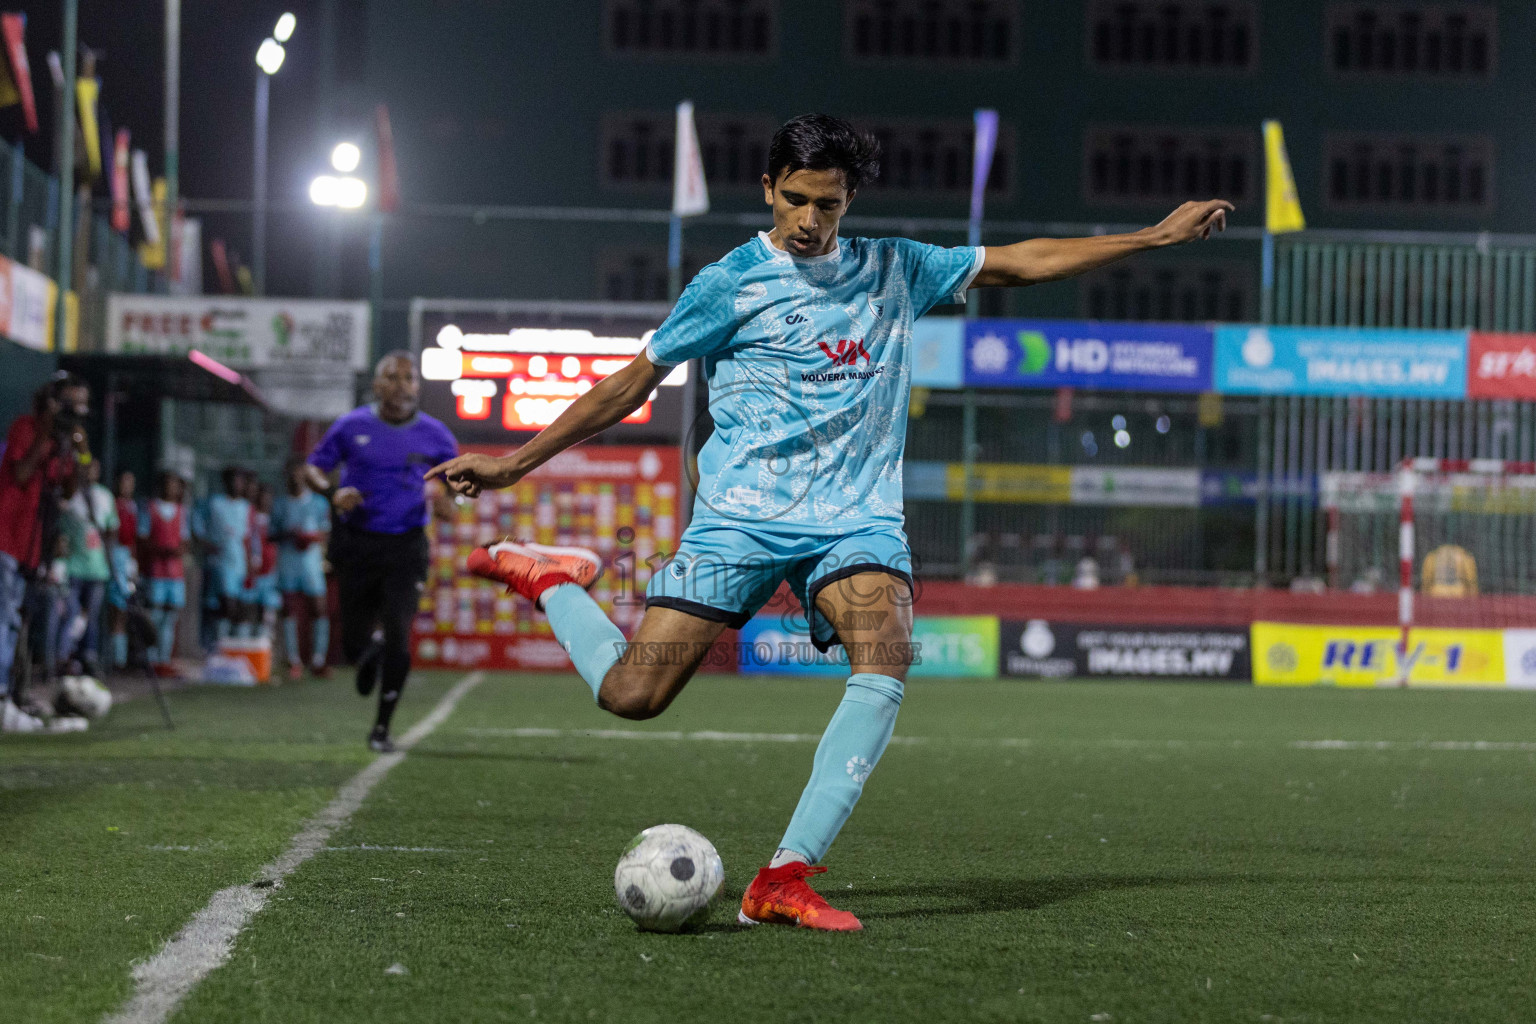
[[500, 378]]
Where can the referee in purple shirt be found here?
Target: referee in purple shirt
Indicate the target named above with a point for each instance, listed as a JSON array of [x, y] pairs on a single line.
[[379, 543]]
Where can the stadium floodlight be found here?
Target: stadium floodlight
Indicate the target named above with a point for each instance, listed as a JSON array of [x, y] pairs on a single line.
[[351, 193], [1122, 439], [346, 156], [269, 56], [323, 190], [285, 26]]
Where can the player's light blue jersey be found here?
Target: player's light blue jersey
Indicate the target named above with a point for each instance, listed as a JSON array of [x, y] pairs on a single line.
[[809, 367], [308, 513], [229, 527]]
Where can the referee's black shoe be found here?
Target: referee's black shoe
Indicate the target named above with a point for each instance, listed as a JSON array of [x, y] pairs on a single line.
[[379, 741], [370, 666]]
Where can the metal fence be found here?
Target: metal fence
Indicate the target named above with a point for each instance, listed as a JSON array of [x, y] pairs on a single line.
[[29, 235]]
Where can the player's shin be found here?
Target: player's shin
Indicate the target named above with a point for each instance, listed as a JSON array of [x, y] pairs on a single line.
[[588, 636], [291, 639], [849, 750], [321, 632]]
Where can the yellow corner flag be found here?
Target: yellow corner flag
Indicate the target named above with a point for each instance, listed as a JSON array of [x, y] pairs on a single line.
[[1282, 210]]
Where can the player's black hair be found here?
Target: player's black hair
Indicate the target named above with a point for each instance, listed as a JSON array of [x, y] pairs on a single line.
[[230, 474], [821, 142]]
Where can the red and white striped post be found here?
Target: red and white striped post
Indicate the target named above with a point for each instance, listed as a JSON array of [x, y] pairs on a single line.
[[1407, 480]]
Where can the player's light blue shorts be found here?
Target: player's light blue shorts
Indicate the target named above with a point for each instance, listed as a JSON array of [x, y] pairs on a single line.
[[301, 572], [167, 593], [226, 577], [263, 592], [725, 573]]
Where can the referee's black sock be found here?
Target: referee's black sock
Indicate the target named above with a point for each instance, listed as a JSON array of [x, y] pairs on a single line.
[[397, 667]]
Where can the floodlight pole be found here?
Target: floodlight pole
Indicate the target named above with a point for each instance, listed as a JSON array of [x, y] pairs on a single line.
[[66, 129], [259, 214], [172, 110]]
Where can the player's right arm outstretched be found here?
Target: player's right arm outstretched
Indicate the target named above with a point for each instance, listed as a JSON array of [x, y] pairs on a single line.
[[609, 401]]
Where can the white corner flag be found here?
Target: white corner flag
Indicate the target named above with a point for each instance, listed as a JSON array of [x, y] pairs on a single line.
[[689, 193]]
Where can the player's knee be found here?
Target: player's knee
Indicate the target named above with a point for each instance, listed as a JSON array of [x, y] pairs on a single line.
[[628, 697], [634, 705]]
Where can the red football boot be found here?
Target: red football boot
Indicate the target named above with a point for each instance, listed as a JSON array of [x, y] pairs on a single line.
[[780, 896], [531, 569]]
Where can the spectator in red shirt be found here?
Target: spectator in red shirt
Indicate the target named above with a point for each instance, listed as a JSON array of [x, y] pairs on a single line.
[[40, 449]]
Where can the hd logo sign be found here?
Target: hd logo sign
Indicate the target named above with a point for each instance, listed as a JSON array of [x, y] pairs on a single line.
[[1288, 655]]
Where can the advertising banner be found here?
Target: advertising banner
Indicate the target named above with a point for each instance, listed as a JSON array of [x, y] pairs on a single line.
[[1291, 655], [943, 646], [1087, 354], [1042, 649], [618, 500], [1341, 361], [1520, 657], [239, 332], [26, 305], [1132, 485], [1501, 366]]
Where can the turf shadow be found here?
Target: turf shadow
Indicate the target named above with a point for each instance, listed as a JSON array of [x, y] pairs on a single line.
[[999, 895]]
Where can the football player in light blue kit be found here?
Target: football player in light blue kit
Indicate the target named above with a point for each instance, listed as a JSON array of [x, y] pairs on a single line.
[[228, 537], [301, 518], [806, 341]]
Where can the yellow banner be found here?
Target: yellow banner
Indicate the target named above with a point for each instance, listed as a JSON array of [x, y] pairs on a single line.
[[153, 255], [1003, 481], [86, 91], [72, 319], [1290, 655], [1282, 209]]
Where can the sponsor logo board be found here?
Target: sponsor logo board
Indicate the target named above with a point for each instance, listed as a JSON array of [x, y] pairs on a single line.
[[1087, 354], [944, 645], [1341, 361], [1501, 366], [1046, 649], [1294, 655]]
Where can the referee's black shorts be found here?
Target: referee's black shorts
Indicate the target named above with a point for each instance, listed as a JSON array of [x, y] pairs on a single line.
[[379, 581]]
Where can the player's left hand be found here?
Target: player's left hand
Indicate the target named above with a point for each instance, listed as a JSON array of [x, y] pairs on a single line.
[[1194, 219], [468, 475]]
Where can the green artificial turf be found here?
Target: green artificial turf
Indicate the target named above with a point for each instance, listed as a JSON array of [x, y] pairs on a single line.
[[1031, 852]]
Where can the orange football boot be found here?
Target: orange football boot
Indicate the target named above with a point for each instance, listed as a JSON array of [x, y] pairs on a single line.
[[531, 569], [780, 896]]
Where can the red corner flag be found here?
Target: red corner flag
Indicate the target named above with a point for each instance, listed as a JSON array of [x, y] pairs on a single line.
[[389, 175]]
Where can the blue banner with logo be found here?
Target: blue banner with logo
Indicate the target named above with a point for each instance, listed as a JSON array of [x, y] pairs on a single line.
[[1255, 360], [1087, 354]]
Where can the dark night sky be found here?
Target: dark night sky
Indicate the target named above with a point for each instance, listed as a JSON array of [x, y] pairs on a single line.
[[218, 69]]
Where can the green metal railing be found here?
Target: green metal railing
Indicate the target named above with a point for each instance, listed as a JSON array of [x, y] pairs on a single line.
[[1338, 284], [29, 207], [1481, 285]]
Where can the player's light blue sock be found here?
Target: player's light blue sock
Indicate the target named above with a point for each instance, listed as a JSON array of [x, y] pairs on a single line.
[[291, 640], [588, 636], [322, 631], [165, 631], [222, 628], [849, 750], [119, 650]]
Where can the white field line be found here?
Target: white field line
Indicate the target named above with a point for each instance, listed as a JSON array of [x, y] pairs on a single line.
[[707, 736], [1515, 745], [206, 941]]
